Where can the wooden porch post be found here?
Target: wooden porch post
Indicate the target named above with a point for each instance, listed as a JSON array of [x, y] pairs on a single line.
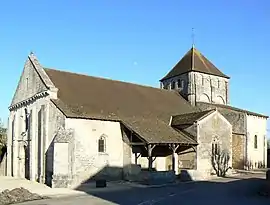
[[195, 160], [150, 160], [173, 148]]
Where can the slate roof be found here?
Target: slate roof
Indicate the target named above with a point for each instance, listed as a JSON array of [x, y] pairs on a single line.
[[193, 60], [146, 110], [189, 118]]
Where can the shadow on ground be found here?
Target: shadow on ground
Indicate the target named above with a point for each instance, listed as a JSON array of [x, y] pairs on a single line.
[[233, 190]]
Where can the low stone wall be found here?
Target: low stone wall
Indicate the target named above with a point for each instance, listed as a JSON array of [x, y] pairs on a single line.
[[193, 175], [156, 177], [131, 172], [61, 181]]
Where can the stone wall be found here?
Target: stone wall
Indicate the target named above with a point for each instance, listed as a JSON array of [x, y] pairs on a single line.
[[63, 158], [238, 151], [187, 159], [257, 156], [129, 169], [56, 123], [200, 87], [236, 118], [89, 163], [210, 88], [193, 175], [29, 84], [212, 128], [250, 126], [154, 177], [41, 114], [182, 87]]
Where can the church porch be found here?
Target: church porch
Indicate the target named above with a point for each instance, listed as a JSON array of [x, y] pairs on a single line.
[[158, 161]]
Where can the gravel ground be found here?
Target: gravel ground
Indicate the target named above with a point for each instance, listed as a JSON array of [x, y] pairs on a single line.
[[18, 195]]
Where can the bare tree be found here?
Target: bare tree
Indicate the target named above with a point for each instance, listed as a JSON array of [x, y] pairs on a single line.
[[220, 161]]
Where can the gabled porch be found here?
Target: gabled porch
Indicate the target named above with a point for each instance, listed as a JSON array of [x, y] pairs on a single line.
[[157, 159]]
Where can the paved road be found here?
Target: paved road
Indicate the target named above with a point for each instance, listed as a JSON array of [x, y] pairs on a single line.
[[237, 191]]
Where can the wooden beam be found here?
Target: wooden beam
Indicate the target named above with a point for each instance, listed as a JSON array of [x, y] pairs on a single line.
[[193, 147], [137, 143], [173, 147]]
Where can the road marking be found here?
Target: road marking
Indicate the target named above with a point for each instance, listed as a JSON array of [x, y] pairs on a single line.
[[154, 201]]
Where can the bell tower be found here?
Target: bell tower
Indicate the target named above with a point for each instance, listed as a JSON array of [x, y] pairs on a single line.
[[197, 79]]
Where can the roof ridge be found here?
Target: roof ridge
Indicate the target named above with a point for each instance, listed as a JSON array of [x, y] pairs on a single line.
[[144, 86], [185, 55], [103, 78], [199, 54], [192, 57]]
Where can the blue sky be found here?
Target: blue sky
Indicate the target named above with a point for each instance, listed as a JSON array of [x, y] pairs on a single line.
[[139, 41]]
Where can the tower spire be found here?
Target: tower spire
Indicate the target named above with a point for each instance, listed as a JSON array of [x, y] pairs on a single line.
[[193, 38]]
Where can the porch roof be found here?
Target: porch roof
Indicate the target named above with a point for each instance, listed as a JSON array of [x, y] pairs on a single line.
[[189, 118]]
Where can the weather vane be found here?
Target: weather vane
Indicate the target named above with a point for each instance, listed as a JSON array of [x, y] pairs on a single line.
[[193, 38]]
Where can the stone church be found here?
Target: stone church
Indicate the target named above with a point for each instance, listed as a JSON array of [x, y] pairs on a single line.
[[66, 128]]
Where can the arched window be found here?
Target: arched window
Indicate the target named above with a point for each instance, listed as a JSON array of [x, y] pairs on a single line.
[[101, 144], [255, 142], [215, 147]]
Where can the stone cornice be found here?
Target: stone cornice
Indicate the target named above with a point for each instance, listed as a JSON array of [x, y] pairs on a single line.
[[29, 100]]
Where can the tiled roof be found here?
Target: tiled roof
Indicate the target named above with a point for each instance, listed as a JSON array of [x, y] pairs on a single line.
[[193, 60], [146, 110], [189, 118]]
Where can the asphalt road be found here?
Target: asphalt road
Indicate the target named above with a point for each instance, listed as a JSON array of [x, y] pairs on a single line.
[[233, 191]]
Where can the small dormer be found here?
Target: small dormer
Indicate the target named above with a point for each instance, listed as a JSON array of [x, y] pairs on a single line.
[[197, 79]]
